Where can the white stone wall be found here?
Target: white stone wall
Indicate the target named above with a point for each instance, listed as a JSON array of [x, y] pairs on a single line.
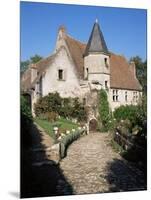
[[33, 74], [69, 86], [97, 69], [121, 98]]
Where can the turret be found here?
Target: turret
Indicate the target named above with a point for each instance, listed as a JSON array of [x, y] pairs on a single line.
[[96, 58]]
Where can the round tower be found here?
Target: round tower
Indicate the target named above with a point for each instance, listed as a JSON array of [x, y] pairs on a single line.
[[96, 58]]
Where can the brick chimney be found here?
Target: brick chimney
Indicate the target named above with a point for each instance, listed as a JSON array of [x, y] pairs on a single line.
[[133, 68]]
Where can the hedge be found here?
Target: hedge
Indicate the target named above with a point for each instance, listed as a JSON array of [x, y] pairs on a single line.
[[66, 141]]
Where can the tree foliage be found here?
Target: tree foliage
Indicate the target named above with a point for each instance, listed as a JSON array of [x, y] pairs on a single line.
[[65, 107], [141, 72], [24, 64], [26, 120], [25, 108], [36, 58]]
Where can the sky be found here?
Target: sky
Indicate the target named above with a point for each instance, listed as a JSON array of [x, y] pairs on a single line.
[[124, 30]]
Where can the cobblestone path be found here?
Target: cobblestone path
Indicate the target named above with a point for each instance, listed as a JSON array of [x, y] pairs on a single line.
[[91, 166]]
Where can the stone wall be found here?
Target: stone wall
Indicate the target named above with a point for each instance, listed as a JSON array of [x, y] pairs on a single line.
[[98, 69], [121, 98], [69, 85]]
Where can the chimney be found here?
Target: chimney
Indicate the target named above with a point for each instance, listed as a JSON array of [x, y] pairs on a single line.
[[133, 68], [60, 38], [62, 31]]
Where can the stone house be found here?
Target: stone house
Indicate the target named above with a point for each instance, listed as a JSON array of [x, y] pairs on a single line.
[[80, 70]]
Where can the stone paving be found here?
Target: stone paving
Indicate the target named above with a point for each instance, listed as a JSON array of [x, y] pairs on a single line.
[[91, 166]]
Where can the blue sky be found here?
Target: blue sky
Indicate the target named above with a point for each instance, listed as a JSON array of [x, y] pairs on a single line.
[[124, 29]]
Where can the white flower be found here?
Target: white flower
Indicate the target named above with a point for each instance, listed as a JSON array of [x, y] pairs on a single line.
[[55, 128], [62, 134], [67, 131]]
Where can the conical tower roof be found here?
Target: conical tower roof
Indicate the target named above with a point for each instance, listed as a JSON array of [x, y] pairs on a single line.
[[96, 43]]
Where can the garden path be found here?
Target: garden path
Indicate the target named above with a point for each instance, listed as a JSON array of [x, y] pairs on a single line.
[[91, 166]]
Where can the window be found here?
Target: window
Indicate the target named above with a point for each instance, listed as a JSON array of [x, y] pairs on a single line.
[[40, 86], [135, 96], [125, 95], [106, 63], [87, 72], [106, 85], [115, 95], [60, 74]]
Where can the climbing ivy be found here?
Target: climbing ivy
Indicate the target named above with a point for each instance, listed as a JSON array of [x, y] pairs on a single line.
[[104, 110]]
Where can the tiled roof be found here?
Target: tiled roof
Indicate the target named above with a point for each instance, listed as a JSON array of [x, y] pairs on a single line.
[[41, 66], [44, 63], [76, 49], [121, 75]]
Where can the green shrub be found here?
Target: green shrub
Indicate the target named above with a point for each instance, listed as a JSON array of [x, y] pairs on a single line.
[[65, 107], [132, 125], [134, 117], [50, 103], [25, 108], [67, 140], [104, 111], [26, 120], [128, 112]]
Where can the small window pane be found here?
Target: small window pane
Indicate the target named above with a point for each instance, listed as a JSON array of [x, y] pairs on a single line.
[[60, 74]]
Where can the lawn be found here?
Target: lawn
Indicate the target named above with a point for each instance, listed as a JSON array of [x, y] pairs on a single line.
[[62, 124]]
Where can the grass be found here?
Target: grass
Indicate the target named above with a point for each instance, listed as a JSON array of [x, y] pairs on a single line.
[[62, 124]]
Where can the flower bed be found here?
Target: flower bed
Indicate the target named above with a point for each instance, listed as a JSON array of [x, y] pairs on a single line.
[[68, 139]]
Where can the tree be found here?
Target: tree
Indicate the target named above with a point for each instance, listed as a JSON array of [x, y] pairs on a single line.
[[24, 64], [141, 72], [36, 58]]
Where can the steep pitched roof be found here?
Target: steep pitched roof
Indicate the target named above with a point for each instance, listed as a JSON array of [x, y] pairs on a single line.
[[44, 63], [76, 49], [121, 75], [41, 66], [96, 41]]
